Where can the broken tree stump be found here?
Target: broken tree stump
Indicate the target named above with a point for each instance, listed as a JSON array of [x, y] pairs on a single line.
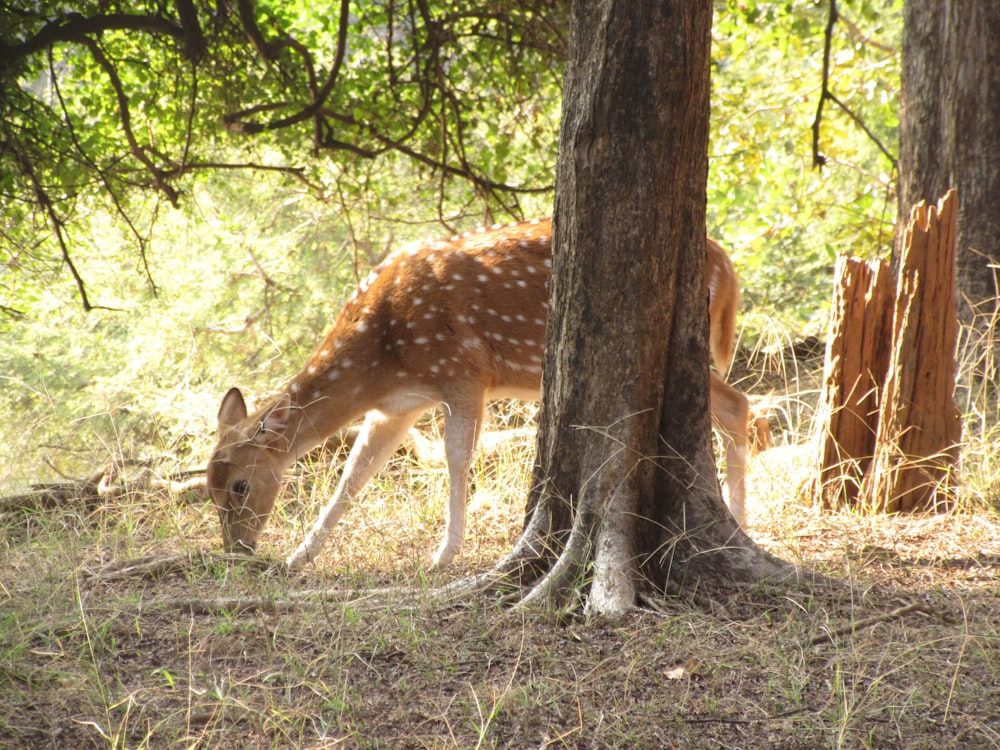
[[919, 427], [857, 360], [888, 430]]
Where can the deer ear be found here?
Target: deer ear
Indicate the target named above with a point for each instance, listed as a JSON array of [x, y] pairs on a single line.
[[275, 420], [233, 409]]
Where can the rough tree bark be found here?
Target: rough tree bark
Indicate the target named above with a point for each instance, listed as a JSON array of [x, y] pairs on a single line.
[[887, 429], [949, 131], [919, 427], [857, 360], [626, 495]]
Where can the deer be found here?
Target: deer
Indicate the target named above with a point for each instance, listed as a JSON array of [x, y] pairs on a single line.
[[453, 322]]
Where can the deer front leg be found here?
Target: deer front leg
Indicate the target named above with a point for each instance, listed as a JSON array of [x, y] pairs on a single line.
[[461, 432], [378, 440]]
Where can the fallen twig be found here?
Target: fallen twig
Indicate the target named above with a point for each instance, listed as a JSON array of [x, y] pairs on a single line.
[[157, 565], [830, 635]]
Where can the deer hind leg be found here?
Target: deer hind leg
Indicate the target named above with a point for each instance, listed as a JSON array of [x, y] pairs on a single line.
[[730, 410], [462, 421], [377, 441]]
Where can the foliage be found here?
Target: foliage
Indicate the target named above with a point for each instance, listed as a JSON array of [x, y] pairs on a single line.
[[783, 220], [452, 122], [114, 98]]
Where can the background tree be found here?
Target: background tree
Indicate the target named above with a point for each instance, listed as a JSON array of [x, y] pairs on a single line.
[[949, 129], [626, 478]]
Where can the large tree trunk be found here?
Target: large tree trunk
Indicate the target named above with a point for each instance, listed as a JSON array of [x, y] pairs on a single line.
[[625, 481], [949, 131]]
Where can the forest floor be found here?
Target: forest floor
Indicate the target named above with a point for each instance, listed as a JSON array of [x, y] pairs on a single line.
[[124, 627]]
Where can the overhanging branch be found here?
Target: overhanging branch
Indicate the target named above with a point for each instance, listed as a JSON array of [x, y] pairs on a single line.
[[237, 122], [58, 228], [74, 27], [819, 159], [125, 117]]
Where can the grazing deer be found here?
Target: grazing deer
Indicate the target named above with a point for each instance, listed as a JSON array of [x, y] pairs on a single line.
[[453, 322]]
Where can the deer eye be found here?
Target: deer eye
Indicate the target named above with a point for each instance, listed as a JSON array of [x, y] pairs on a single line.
[[240, 488]]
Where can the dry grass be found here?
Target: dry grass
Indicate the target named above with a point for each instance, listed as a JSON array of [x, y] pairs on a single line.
[[906, 657]]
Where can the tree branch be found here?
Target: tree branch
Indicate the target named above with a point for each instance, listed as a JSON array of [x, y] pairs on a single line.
[[195, 46], [861, 124], [74, 27], [235, 121], [54, 220], [125, 117], [819, 160], [101, 173]]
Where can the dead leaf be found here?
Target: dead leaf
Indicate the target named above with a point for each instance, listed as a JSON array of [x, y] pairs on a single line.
[[690, 668]]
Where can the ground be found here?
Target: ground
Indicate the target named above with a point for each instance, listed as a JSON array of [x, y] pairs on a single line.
[[197, 650]]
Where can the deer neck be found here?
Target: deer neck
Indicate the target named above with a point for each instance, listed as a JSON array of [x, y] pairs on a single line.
[[339, 384]]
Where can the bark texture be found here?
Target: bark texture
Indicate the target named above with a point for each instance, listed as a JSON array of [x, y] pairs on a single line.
[[625, 481], [887, 429], [919, 428], [949, 131], [857, 360]]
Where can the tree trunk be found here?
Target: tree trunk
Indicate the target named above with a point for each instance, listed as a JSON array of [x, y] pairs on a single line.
[[949, 131], [919, 429], [857, 361], [625, 480]]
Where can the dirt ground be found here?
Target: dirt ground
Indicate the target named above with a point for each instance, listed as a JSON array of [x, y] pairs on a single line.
[[196, 650]]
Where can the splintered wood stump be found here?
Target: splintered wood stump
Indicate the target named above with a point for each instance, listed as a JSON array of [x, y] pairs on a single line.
[[919, 429], [857, 359], [888, 429]]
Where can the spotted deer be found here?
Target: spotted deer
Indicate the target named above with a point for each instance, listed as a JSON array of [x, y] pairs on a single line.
[[453, 322]]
